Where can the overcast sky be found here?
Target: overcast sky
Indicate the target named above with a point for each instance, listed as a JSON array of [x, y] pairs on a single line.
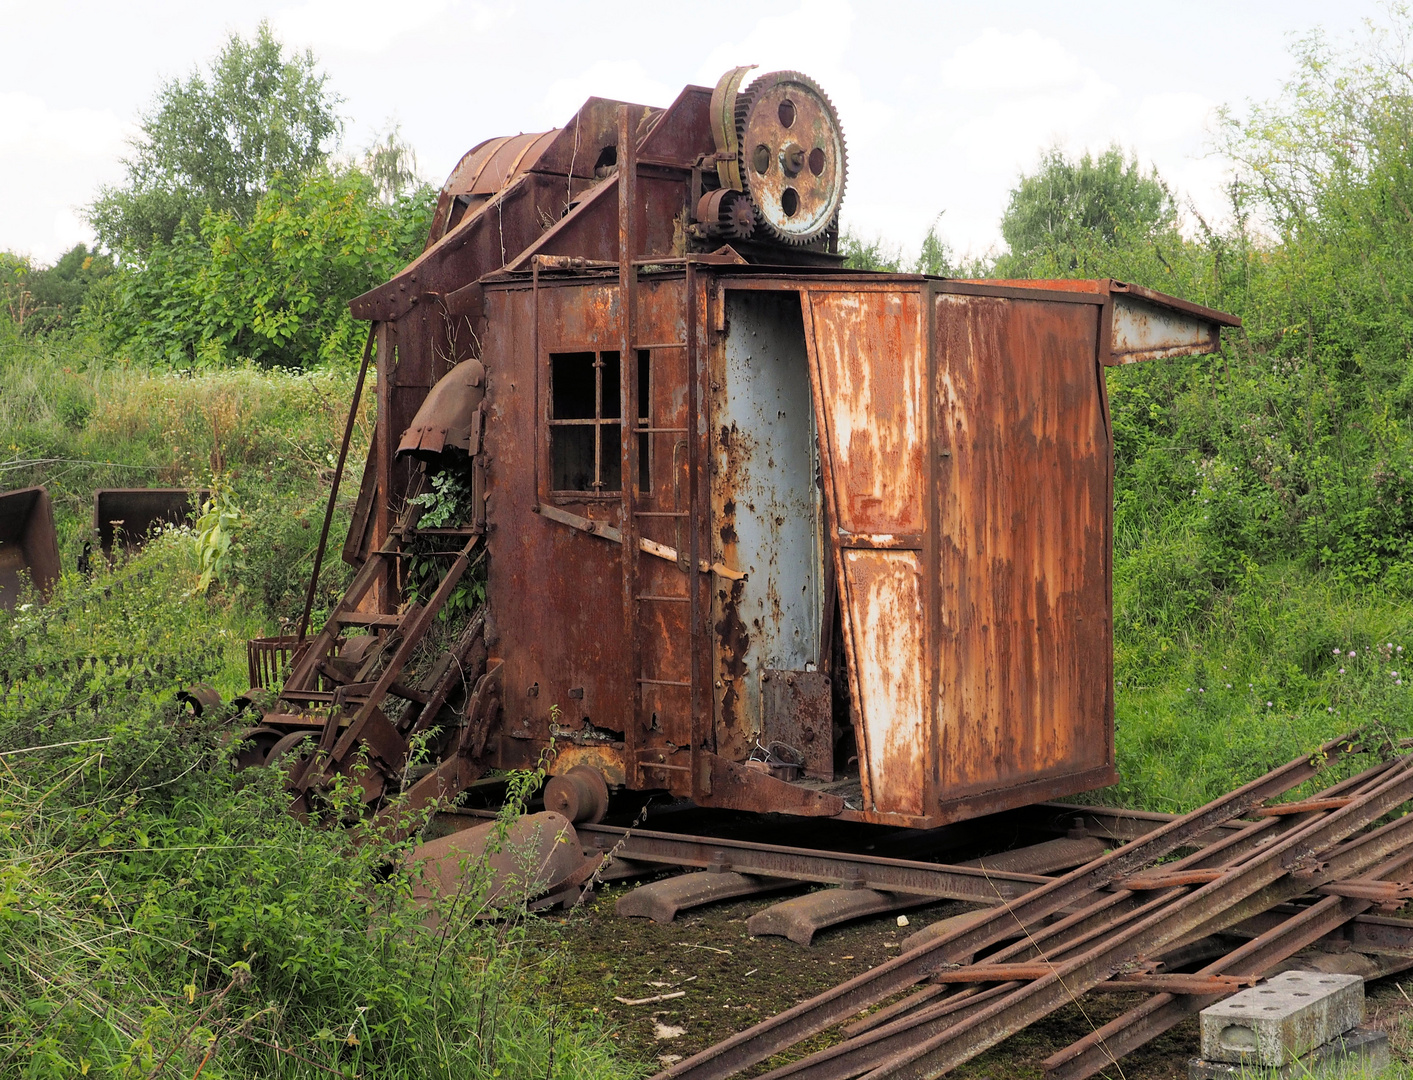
[[942, 103]]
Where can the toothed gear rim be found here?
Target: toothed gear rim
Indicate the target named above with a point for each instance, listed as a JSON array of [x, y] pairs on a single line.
[[792, 154]]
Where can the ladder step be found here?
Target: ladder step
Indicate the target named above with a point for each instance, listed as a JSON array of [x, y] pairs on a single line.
[[662, 513], [366, 618], [660, 431], [663, 345], [664, 682], [666, 599]]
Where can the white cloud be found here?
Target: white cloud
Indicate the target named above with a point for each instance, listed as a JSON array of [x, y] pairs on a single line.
[[996, 62], [371, 27], [55, 157], [622, 80]]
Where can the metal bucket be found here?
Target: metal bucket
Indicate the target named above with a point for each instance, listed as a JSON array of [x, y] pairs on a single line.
[[126, 515], [271, 658], [29, 546]]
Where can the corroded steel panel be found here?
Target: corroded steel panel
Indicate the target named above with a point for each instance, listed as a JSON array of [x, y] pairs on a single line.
[[556, 592], [885, 623], [872, 370], [1025, 634], [869, 361], [765, 508], [1143, 330]]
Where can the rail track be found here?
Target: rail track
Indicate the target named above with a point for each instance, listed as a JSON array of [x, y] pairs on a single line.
[[1183, 909]]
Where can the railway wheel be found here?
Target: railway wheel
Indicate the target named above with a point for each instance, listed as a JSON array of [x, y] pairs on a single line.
[[581, 794], [282, 748], [255, 743]]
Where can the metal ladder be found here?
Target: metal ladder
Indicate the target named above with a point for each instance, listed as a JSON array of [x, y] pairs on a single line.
[[634, 588]]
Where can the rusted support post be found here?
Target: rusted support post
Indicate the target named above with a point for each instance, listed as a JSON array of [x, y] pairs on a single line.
[[694, 584], [338, 476], [383, 455], [628, 412]]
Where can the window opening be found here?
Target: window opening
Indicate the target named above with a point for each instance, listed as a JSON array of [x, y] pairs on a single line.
[[585, 422]]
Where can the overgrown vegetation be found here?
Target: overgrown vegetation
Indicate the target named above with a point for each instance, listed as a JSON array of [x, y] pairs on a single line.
[[239, 235], [159, 911], [163, 915]]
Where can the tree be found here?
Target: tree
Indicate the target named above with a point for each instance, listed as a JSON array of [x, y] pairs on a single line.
[[218, 142], [272, 289], [934, 254], [392, 164], [1067, 207]]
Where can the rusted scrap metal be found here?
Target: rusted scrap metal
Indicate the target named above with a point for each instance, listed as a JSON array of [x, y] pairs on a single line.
[[770, 512], [491, 865], [126, 516], [29, 546], [1108, 935]]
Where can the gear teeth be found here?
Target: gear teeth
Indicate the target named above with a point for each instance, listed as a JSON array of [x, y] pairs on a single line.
[[746, 100]]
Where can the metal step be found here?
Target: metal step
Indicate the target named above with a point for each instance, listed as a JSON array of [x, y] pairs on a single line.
[[662, 900], [801, 917]]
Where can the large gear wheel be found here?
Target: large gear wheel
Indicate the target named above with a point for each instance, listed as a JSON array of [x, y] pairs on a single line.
[[791, 154]]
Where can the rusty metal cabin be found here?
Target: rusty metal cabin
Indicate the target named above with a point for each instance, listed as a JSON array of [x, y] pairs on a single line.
[[759, 531]]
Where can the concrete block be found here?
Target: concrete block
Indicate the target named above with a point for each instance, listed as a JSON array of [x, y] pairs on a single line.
[[1363, 1048], [1289, 1015]]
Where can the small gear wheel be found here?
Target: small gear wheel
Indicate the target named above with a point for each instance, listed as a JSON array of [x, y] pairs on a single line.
[[727, 213], [791, 155]]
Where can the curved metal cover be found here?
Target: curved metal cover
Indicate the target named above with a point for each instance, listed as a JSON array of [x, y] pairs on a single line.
[[485, 169], [450, 415]]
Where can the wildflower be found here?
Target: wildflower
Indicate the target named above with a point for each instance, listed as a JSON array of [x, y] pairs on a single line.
[[1228, 686], [1341, 671], [1336, 652], [1329, 708], [1201, 691], [1352, 653], [1270, 704]]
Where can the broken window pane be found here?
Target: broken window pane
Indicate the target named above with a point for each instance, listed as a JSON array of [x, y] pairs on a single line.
[[572, 386]]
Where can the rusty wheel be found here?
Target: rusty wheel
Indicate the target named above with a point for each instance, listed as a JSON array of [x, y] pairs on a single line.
[[257, 742], [581, 794], [282, 748], [792, 157]]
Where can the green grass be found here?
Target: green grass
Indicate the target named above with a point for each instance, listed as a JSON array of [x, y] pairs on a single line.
[[75, 421]]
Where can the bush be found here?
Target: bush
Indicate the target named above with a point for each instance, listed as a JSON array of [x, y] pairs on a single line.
[[164, 915], [273, 290]]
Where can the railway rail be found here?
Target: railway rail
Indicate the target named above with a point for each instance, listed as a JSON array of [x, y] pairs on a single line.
[[1226, 893]]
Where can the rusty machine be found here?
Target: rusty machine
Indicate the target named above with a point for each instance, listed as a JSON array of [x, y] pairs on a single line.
[[754, 529]]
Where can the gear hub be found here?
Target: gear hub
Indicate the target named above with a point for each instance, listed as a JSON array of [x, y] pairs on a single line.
[[791, 156]]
